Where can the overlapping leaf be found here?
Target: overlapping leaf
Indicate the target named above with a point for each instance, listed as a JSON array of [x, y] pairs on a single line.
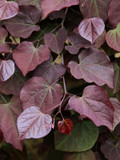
[[82, 138], [27, 57], [8, 118], [95, 105], [56, 42], [4, 47], [116, 78], [94, 66], [94, 8], [55, 5], [8, 9], [32, 123], [114, 12], [23, 24], [37, 92], [7, 69], [50, 70], [113, 38], [91, 28]]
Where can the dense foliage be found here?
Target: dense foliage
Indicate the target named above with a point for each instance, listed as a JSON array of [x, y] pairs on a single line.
[[60, 79]]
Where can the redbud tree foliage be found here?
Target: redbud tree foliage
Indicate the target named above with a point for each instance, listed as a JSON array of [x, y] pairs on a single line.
[[60, 79]]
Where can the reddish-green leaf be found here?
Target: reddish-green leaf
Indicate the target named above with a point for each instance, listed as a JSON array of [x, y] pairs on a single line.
[[65, 126], [32, 123], [8, 9], [113, 38], [55, 5], [56, 42], [8, 118], [7, 69], [32, 56], [37, 92], [23, 24], [116, 78], [95, 8], [94, 66], [91, 28], [95, 105]]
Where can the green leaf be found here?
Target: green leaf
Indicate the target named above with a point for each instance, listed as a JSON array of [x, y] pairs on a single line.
[[117, 78], [82, 138]]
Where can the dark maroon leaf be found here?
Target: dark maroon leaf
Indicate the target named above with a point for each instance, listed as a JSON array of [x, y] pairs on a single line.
[[91, 28], [57, 14], [56, 42], [95, 105], [77, 42], [94, 66], [110, 150], [4, 47], [50, 70], [8, 9], [65, 126], [27, 57], [23, 24], [8, 118], [37, 92], [55, 5], [94, 8], [7, 69], [114, 12], [14, 84], [32, 123]]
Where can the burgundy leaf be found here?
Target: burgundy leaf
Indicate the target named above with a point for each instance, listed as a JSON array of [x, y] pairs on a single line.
[[37, 92], [7, 69], [27, 57], [116, 105], [94, 8], [8, 117], [50, 70], [95, 105], [110, 150], [8, 9], [113, 38], [94, 66], [23, 24], [57, 14], [32, 123], [56, 42], [114, 12], [4, 47], [100, 40], [91, 28], [55, 5], [77, 42], [65, 126]]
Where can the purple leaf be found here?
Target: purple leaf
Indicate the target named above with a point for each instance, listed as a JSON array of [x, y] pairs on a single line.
[[94, 66], [37, 92], [8, 9], [23, 24], [4, 47], [95, 105], [8, 117], [56, 42], [32, 56], [32, 123], [55, 5], [91, 28], [7, 69]]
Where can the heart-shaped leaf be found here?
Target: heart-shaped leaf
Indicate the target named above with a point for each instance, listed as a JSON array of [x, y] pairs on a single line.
[[95, 105], [37, 92], [23, 24], [91, 28], [94, 66], [32, 123], [8, 118], [32, 56], [7, 69], [8, 9]]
